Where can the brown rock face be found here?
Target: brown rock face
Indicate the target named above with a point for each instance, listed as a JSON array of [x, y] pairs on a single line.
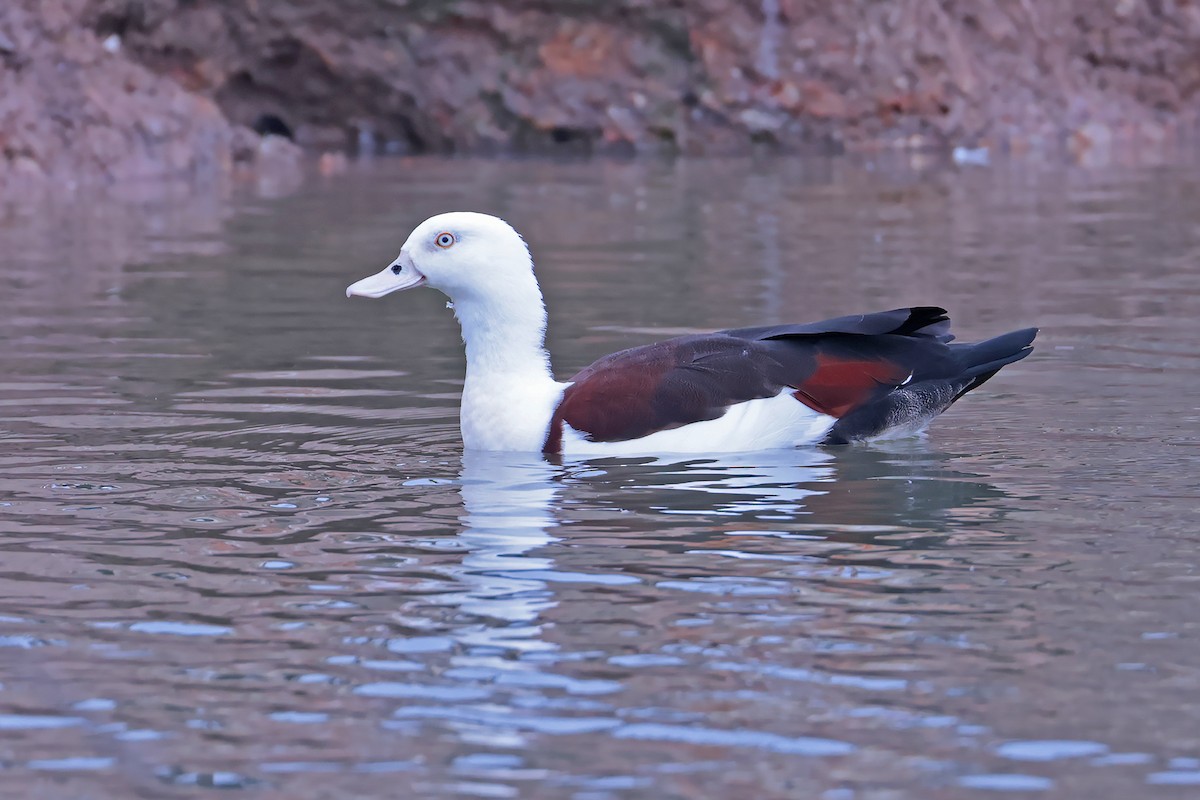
[[136, 87], [74, 109], [698, 75], [70, 108]]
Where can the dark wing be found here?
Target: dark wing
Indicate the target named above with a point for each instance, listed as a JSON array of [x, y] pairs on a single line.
[[833, 367], [636, 392], [928, 322]]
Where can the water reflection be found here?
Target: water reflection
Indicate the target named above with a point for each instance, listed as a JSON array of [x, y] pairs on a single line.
[[533, 656], [244, 550], [758, 484], [512, 502], [580, 586], [507, 512]]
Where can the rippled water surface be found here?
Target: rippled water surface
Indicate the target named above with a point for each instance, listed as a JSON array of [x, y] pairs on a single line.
[[241, 550]]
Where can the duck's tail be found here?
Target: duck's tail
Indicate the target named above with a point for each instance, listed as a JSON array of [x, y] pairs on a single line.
[[910, 406], [982, 360]]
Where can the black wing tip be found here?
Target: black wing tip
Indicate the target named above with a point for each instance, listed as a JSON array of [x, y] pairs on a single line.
[[931, 322]]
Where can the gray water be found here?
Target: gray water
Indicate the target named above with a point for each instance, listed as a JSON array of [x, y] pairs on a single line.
[[241, 551]]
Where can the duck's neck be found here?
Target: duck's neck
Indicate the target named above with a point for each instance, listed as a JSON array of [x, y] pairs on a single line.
[[509, 394], [511, 341]]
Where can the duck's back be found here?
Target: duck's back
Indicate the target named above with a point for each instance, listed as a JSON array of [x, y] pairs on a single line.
[[833, 381]]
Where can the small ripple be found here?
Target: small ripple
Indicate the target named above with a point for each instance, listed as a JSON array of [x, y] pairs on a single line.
[[646, 660], [1006, 782], [420, 644], [299, 717], [500, 719], [95, 704], [814, 676], [27, 642], [177, 776], [386, 766], [1174, 778], [301, 766], [140, 735], [325, 374], [563, 576], [792, 745], [1049, 749], [746, 586], [75, 764], [410, 690], [180, 628], [26, 722], [1121, 759]]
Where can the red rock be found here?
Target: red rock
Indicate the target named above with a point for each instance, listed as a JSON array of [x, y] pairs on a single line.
[[703, 76]]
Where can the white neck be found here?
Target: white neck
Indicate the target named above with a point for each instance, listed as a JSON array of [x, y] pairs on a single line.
[[509, 394]]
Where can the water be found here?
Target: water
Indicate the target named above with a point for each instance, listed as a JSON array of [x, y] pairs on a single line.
[[242, 550]]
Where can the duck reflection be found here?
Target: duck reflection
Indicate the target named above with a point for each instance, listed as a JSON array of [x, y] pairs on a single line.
[[906, 484], [515, 507], [778, 482], [508, 502], [568, 564]]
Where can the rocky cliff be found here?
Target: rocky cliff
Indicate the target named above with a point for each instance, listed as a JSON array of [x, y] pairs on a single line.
[[132, 87]]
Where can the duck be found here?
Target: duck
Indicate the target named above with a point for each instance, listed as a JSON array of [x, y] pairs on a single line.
[[839, 381]]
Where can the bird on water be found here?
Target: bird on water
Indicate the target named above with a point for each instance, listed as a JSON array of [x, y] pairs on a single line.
[[838, 381]]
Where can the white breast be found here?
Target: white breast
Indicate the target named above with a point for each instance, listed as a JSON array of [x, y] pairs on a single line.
[[508, 412]]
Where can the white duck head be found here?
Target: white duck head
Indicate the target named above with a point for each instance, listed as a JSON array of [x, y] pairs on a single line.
[[462, 254], [484, 267]]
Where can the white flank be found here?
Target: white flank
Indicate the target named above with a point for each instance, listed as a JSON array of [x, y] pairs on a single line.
[[768, 424]]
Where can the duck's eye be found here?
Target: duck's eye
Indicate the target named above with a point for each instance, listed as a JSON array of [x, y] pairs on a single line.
[[396, 269], [444, 240]]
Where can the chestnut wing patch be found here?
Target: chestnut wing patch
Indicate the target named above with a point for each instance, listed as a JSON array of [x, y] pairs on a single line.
[[637, 392], [839, 385]]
